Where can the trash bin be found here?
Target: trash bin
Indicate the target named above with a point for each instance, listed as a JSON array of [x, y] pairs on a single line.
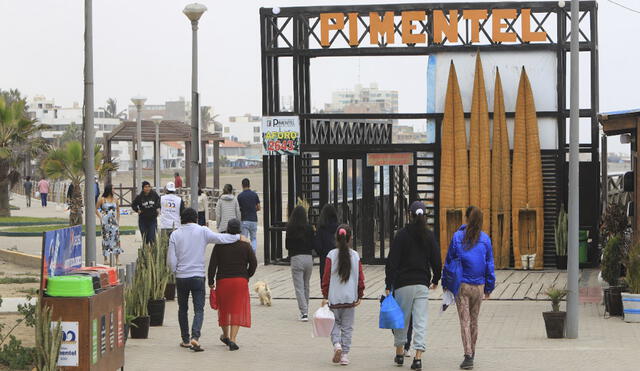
[[584, 246]]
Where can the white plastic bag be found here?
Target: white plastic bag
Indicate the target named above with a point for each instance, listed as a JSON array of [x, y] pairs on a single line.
[[323, 320]]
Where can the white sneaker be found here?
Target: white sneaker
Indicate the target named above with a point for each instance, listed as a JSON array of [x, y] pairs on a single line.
[[344, 360], [303, 318], [407, 353], [337, 353]]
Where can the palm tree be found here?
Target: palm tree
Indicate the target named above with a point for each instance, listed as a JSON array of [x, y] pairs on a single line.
[[17, 142], [111, 110], [208, 119], [67, 163]]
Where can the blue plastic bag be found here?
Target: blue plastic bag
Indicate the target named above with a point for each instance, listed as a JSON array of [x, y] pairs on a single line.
[[391, 315]]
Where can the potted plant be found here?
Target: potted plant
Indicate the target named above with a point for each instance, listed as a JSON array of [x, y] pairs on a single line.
[[610, 267], [170, 289], [631, 299], [154, 257], [137, 307], [554, 320], [561, 231]]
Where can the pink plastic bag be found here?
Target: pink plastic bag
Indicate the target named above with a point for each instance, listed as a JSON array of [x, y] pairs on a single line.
[[323, 320]]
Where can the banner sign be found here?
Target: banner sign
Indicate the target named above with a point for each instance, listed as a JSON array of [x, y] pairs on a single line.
[[68, 355], [281, 135], [390, 159], [61, 252]]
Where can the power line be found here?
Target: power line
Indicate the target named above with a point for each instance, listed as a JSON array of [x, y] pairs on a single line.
[[624, 6]]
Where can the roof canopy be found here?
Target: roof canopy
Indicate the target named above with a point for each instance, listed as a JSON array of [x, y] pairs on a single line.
[[619, 122], [169, 130]]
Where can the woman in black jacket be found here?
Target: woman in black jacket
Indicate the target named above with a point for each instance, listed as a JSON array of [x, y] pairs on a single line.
[[299, 243], [325, 240], [413, 266]]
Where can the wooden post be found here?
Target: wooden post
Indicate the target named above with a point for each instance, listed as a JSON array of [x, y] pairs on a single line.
[[135, 163], [107, 155]]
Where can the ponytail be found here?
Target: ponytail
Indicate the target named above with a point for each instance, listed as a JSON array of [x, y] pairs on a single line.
[[343, 239], [474, 226], [419, 220]]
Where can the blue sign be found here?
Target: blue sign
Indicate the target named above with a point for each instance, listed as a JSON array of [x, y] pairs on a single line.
[[62, 251]]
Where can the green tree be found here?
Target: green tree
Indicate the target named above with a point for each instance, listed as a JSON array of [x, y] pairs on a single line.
[[18, 141], [67, 163], [72, 132], [208, 118], [111, 109]]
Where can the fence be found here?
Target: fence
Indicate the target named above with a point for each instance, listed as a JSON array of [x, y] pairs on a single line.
[[615, 190]]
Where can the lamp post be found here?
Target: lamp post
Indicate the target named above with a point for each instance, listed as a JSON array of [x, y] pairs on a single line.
[[156, 162], [89, 138], [194, 12], [139, 102]]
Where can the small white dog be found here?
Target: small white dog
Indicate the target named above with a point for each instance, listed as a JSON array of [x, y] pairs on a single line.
[[264, 293]]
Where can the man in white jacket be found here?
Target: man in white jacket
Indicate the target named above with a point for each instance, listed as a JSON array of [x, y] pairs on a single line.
[[186, 258]]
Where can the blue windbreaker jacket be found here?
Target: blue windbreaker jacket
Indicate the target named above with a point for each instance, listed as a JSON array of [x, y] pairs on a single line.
[[477, 263]]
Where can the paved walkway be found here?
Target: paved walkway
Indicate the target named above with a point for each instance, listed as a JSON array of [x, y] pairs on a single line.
[[512, 337]]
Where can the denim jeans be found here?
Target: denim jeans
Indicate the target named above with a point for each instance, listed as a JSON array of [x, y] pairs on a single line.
[[148, 228], [43, 199], [195, 286], [250, 230]]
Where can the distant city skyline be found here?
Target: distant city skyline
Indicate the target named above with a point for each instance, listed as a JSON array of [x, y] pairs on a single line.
[[143, 47]]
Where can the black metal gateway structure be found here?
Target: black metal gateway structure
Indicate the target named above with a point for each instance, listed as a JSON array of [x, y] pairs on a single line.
[[351, 161]]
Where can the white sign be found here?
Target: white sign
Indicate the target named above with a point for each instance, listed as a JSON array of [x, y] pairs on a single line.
[[281, 135], [68, 355]]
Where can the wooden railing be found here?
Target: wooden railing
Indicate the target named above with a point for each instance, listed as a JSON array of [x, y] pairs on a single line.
[[615, 190]]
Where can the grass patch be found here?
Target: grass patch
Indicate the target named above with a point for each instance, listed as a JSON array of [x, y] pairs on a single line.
[[46, 228], [9, 280], [13, 220]]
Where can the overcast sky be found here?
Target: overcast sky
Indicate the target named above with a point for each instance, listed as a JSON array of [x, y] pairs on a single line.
[[143, 47]]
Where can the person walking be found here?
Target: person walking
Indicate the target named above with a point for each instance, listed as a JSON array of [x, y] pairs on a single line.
[[299, 243], [96, 187], [108, 211], [227, 208], [413, 263], [147, 204], [177, 180], [171, 206], [186, 259], [28, 188], [43, 189], [203, 207], [469, 275], [325, 239], [230, 267], [342, 289], [249, 206]]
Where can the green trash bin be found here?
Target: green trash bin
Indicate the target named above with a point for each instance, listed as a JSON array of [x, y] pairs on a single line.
[[584, 246]]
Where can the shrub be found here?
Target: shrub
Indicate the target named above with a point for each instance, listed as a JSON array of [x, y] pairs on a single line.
[[614, 221], [556, 295], [633, 269], [611, 260]]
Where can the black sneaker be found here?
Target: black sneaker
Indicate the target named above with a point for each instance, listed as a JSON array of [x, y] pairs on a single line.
[[399, 360], [467, 364], [233, 346], [417, 364]]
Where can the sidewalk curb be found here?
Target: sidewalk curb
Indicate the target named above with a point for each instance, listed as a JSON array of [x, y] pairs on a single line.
[[26, 260]]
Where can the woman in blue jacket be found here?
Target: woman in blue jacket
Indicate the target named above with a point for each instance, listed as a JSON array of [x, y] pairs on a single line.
[[469, 274]]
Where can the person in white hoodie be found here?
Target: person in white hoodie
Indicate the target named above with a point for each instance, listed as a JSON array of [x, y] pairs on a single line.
[[227, 208], [342, 289], [171, 206], [186, 258]]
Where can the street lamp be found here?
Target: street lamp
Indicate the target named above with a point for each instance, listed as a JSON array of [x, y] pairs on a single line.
[[157, 120], [194, 12], [139, 102]]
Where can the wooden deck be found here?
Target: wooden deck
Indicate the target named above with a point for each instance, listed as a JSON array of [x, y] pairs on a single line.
[[510, 284]]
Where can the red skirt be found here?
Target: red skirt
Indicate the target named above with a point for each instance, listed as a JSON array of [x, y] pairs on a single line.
[[234, 308]]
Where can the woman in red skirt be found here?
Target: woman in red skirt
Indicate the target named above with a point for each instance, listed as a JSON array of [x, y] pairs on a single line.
[[230, 267]]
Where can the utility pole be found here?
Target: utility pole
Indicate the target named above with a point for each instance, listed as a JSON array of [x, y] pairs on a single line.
[[573, 268], [89, 139]]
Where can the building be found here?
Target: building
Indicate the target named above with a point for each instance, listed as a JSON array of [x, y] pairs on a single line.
[[363, 100], [408, 134], [179, 110], [244, 129]]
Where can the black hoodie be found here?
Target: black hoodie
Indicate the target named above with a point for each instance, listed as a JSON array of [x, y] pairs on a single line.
[[148, 204]]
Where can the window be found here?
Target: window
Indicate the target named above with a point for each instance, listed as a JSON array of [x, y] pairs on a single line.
[[256, 129], [226, 129], [256, 139], [231, 119]]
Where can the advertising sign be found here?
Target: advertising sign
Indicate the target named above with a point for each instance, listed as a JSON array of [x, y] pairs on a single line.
[[390, 159], [61, 252], [68, 355], [281, 135]]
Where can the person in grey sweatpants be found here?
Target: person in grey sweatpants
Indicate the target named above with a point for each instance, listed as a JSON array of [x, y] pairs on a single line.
[[299, 243], [301, 268], [413, 300]]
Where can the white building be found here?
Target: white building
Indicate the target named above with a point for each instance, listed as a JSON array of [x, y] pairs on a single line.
[[244, 129], [363, 100]]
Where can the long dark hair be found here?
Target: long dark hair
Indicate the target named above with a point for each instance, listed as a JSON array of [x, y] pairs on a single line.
[[419, 222], [343, 240], [108, 191], [227, 189], [474, 226], [298, 222], [328, 216]]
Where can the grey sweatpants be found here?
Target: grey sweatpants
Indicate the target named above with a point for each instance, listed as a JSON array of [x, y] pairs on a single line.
[[301, 268], [413, 300], [343, 327]]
